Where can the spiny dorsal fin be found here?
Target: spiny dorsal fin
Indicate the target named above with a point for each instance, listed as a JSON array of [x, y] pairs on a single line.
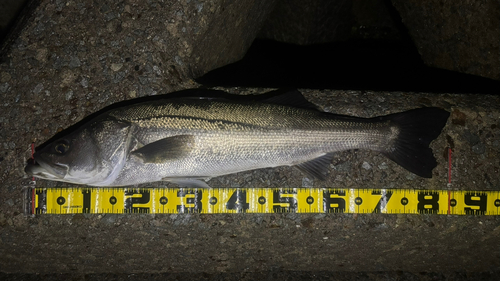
[[318, 167], [166, 149], [288, 97]]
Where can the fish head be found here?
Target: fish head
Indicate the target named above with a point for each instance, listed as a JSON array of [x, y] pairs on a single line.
[[92, 155]]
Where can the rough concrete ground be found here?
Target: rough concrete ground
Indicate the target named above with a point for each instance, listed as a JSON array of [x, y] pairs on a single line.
[[461, 36], [268, 276], [83, 244], [54, 76]]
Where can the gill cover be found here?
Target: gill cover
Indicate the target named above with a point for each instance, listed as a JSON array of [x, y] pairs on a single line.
[[93, 155]]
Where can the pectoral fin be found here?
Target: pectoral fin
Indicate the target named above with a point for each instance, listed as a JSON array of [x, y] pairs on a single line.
[[166, 149]]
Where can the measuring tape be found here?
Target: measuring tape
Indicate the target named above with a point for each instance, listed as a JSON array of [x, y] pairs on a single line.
[[259, 200]]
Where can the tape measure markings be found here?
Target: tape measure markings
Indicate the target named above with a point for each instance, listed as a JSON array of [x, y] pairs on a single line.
[[260, 200]]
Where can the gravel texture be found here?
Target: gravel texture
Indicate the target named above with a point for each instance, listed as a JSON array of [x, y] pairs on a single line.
[[55, 75], [254, 243]]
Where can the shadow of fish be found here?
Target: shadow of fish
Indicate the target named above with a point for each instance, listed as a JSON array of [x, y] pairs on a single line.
[[195, 135]]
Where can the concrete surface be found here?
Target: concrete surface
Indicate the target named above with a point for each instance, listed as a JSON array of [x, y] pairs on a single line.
[[255, 243], [462, 36], [55, 75], [264, 276]]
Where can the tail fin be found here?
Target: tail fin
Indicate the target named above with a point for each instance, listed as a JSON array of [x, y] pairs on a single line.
[[417, 129]]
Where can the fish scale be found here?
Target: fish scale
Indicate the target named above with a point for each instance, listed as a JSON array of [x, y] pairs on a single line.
[[247, 139]]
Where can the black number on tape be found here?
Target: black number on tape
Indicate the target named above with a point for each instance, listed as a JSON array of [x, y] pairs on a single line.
[[131, 201], [477, 200], [191, 200], [428, 205], [279, 199], [337, 202], [384, 199], [238, 201], [86, 200], [42, 201]]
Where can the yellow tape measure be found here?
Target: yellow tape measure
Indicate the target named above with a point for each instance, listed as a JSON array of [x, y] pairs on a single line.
[[259, 200]]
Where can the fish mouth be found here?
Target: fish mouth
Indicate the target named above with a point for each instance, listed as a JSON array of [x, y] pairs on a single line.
[[41, 169]]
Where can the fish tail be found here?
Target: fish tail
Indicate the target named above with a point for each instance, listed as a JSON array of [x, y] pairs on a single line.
[[417, 128]]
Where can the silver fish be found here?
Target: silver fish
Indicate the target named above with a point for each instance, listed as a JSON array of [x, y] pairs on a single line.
[[186, 138]]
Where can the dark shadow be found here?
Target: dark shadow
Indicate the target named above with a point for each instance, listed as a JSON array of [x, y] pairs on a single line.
[[357, 64], [352, 65], [10, 33]]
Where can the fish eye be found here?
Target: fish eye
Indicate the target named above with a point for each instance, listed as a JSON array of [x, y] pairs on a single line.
[[61, 148]]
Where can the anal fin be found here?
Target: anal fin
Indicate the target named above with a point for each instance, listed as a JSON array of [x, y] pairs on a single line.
[[318, 167], [188, 182]]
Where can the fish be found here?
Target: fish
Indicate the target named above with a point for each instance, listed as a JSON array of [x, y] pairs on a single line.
[[192, 136]]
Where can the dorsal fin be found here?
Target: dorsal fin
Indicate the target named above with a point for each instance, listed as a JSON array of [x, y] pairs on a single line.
[[287, 97]]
